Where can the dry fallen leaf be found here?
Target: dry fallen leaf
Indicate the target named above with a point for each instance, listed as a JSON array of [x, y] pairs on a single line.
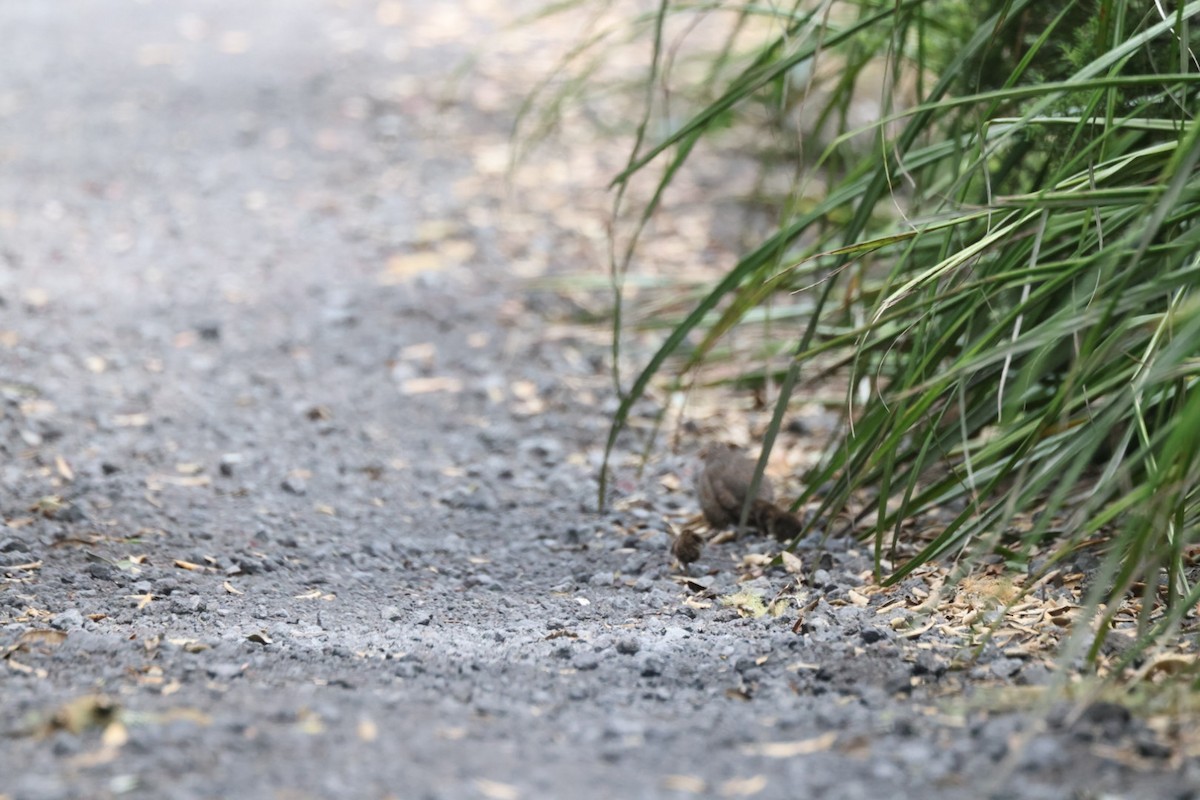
[[792, 563], [368, 731], [423, 352], [48, 505], [64, 469], [1167, 664], [155, 483], [523, 390], [45, 638], [747, 603], [89, 711], [310, 722], [115, 735], [435, 383], [494, 790], [684, 783], [804, 747], [143, 599], [743, 787], [316, 594]]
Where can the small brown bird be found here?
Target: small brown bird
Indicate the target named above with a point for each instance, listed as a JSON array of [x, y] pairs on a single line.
[[687, 546], [722, 485]]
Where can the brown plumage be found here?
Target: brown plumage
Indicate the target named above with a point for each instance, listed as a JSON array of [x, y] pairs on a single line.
[[775, 521], [722, 485], [687, 546]]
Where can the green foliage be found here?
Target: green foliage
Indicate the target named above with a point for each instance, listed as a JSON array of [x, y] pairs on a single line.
[[1007, 259]]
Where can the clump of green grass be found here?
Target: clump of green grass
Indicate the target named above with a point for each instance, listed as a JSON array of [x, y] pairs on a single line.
[[1007, 259]]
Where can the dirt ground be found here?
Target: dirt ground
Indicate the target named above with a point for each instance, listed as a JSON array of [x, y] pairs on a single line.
[[299, 468]]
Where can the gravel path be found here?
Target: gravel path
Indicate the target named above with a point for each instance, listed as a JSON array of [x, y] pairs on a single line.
[[299, 481]]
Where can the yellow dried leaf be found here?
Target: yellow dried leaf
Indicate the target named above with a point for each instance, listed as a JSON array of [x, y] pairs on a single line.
[[143, 599], [46, 638], [310, 722], [437, 383], [188, 565], [424, 352], [115, 735], [804, 747], [90, 711], [523, 390], [316, 594], [48, 505], [188, 481], [64, 469], [187, 714], [743, 787], [747, 603], [792, 563], [684, 783], [1168, 664]]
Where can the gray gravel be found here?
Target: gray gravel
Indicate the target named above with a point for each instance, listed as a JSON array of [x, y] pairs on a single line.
[[273, 570]]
